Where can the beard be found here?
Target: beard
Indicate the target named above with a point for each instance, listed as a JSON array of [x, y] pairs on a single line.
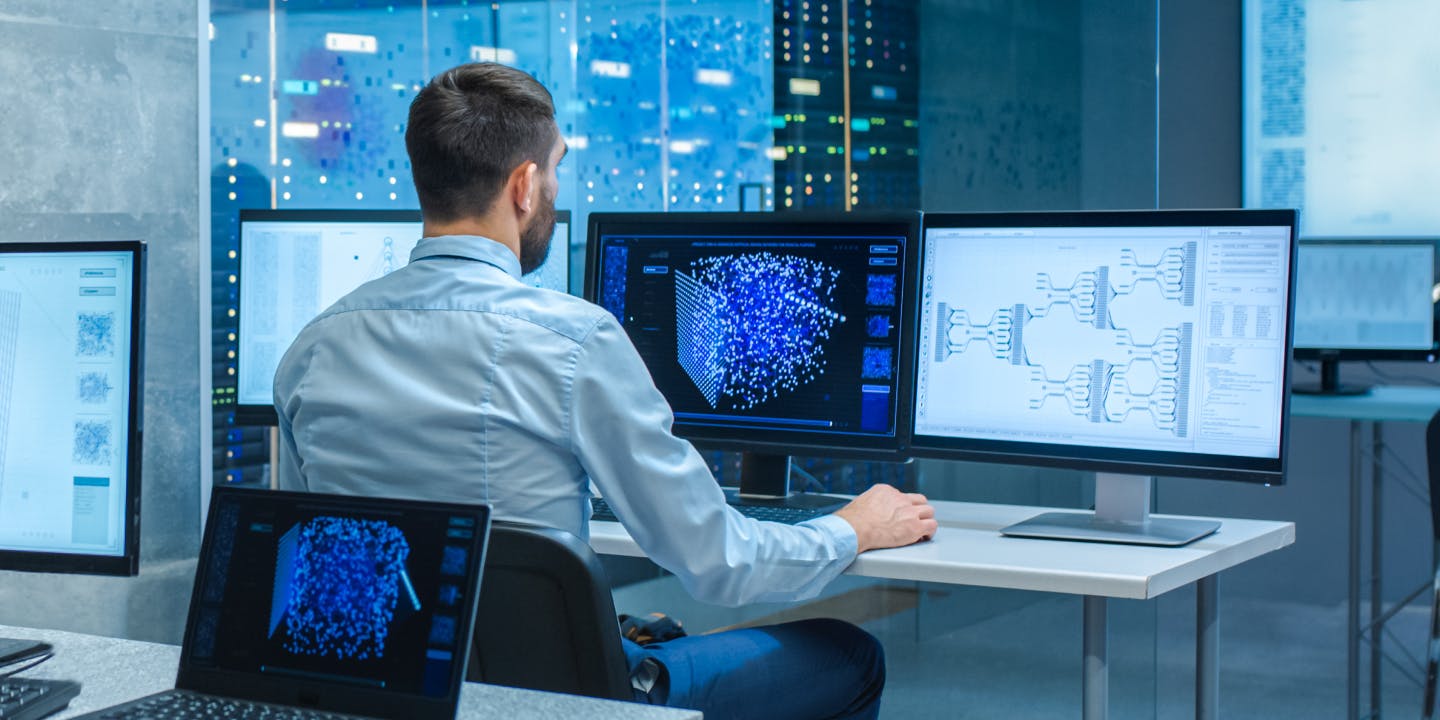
[[535, 237]]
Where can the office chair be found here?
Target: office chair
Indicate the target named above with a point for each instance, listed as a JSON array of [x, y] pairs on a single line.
[[1432, 657], [546, 619]]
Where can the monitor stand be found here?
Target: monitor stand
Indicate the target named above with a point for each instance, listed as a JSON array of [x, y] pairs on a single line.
[[765, 480], [1122, 515], [1330, 382]]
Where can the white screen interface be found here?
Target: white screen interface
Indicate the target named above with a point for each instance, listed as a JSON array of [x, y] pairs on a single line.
[[1340, 101], [554, 274], [1162, 339], [1365, 296], [290, 271], [65, 400]]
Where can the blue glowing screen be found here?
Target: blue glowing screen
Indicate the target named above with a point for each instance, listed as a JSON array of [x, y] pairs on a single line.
[[336, 590], [759, 326]]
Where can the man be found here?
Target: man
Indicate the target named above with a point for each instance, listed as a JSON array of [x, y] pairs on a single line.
[[452, 379]]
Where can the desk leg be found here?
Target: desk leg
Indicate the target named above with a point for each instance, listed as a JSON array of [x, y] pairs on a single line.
[[1097, 672], [1352, 606], [1207, 648], [1377, 636]]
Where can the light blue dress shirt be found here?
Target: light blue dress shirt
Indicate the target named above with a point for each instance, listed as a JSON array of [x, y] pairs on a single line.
[[451, 379]]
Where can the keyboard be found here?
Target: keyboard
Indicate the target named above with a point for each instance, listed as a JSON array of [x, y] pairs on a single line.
[[183, 705], [600, 510], [26, 699]]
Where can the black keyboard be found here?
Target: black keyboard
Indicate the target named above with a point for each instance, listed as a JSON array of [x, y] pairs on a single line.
[[182, 705], [600, 510], [25, 699]]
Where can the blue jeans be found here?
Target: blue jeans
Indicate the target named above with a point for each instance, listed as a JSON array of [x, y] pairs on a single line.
[[806, 670]]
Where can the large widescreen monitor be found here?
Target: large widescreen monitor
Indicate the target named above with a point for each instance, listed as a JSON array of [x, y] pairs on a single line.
[[767, 333], [1358, 300], [295, 263], [1131, 343], [71, 318]]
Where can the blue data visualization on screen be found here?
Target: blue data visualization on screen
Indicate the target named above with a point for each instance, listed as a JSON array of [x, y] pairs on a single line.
[[1372, 296], [1149, 338], [65, 355], [796, 333]]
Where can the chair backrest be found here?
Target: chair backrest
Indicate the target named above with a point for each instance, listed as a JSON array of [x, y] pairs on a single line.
[[546, 619]]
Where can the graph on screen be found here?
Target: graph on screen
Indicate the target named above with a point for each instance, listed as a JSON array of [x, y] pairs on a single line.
[[1153, 338]]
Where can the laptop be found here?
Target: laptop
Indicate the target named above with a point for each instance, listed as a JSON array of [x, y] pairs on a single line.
[[326, 606]]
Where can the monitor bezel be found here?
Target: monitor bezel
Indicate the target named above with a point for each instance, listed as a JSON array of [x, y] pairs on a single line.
[[1269, 471], [265, 415], [788, 442], [128, 562], [1428, 355]]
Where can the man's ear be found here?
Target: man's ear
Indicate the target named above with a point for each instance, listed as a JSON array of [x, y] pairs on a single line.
[[522, 184]]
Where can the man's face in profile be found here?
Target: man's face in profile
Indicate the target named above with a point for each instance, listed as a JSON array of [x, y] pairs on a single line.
[[536, 235]]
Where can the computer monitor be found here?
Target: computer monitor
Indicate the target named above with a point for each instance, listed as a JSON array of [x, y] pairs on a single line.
[[768, 333], [1130, 343], [554, 273], [71, 319], [1363, 300], [295, 263]]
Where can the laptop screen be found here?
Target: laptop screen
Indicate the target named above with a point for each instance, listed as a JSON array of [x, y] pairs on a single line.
[[298, 593]]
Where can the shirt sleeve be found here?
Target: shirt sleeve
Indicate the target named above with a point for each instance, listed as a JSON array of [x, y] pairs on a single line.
[[662, 491]]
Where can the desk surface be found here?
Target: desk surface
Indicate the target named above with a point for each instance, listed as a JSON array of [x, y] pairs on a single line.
[[113, 671], [969, 550], [1397, 403]]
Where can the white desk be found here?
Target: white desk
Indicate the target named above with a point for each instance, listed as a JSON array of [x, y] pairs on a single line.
[[969, 550], [1382, 404], [112, 671]]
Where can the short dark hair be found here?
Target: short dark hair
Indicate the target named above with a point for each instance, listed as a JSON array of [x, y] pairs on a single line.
[[469, 128]]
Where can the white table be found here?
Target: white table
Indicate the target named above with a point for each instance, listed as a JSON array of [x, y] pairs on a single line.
[[1381, 405], [969, 550], [112, 671]]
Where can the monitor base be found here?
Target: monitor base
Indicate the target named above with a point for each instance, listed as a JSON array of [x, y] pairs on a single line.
[[1166, 532], [1122, 515]]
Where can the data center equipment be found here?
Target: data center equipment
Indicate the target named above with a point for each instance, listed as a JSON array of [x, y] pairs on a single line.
[[1363, 300], [768, 333], [1129, 343], [71, 336], [295, 263]]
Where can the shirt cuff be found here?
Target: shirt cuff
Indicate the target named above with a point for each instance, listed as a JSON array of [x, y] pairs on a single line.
[[842, 536]]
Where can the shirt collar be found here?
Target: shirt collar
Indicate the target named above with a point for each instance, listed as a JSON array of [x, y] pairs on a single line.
[[469, 247]]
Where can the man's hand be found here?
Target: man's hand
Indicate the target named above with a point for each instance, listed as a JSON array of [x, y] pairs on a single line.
[[884, 517]]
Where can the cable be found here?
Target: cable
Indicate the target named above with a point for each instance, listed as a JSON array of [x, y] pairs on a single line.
[[29, 663], [811, 482]]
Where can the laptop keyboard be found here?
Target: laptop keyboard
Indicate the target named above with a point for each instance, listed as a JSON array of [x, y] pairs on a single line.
[[26, 699], [600, 510], [181, 705]]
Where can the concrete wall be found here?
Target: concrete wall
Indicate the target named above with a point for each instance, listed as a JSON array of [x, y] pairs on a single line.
[[100, 138]]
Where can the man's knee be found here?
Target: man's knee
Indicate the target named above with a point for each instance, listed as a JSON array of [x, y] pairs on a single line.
[[866, 654]]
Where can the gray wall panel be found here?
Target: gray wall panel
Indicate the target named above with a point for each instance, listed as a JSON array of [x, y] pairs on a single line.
[[176, 19], [100, 139]]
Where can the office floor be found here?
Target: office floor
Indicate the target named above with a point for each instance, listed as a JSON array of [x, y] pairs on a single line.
[[971, 653]]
